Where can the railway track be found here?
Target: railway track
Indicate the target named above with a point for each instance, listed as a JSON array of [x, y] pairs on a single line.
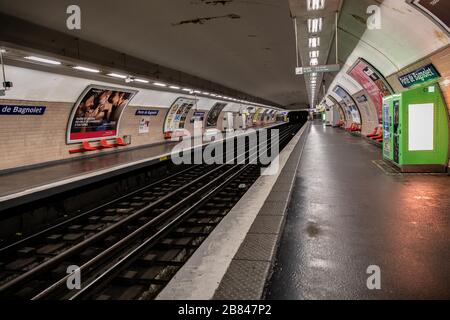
[[131, 247]]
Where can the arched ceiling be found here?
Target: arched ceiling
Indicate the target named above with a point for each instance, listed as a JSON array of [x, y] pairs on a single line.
[[247, 45]]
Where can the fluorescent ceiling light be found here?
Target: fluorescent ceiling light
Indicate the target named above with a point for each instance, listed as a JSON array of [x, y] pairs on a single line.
[[80, 68], [141, 80], [187, 89], [314, 54], [315, 4], [315, 25], [175, 87], [116, 75], [314, 42], [2, 50], [206, 93], [196, 91], [37, 59], [314, 62], [159, 84]]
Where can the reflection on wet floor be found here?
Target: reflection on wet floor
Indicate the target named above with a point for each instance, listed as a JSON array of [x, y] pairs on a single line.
[[346, 215]]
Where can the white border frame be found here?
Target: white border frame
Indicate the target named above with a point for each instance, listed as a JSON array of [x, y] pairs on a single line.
[[77, 104]]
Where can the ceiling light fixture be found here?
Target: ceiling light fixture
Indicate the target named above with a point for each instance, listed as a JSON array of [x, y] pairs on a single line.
[[314, 54], [314, 42], [48, 61], [174, 87], [315, 25], [80, 68], [159, 84], [314, 62], [315, 4], [116, 75], [141, 80]]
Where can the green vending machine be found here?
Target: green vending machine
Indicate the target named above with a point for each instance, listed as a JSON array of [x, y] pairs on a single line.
[[415, 130]]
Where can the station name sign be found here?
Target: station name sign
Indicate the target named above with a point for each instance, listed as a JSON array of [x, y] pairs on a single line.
[[318, 69], [147, 112], [13, 110], [419, 76]]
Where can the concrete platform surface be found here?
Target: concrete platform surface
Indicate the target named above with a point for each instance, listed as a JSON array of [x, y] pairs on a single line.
[[346, 214]]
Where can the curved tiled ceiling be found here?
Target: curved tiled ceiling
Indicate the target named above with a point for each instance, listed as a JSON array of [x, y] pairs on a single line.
[[241, 44]]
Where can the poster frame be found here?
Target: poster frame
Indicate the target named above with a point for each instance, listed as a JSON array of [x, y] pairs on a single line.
[[78, 102]]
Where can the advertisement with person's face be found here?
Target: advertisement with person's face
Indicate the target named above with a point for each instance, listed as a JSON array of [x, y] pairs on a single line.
[[374, 84], [97, 113]]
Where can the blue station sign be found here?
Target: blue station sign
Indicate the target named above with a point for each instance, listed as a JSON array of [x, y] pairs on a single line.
[[14, 110], [419, 76], [147, 112]]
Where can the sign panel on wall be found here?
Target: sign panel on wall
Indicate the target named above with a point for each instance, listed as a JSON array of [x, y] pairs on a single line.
[[97, 113], [178, 112], [349, 102], [373, 82], [14, 110], [198, 117], [147, 112], [419, 76], [214, 113], [144, 126]]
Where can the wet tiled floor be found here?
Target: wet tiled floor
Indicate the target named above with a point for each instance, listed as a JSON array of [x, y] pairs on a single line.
[[346, 214]]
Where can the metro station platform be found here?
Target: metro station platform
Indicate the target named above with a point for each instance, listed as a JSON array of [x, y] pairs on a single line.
[[32, 184], [347, 214], [312, 231]]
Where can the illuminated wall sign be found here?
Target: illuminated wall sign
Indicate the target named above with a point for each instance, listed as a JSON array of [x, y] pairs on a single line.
[[419, 76], [13, 110], [318, 69], [147, 112]]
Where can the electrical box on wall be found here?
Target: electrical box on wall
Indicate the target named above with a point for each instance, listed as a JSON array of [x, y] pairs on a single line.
[[415, 130]]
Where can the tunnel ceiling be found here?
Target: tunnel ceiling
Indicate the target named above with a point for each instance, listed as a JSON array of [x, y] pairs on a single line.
[[242, 44]]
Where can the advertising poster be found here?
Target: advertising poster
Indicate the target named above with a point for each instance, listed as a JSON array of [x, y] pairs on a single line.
[[213, 115], [373, 82], [257, 114], [439, 10], [178, 112], [352, 109], [144, 126], [97, 113]]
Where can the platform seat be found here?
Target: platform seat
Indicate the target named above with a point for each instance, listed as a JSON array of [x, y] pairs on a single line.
[[120, 143], [378, 137], [374, 133], [85, 147], [105, 144]]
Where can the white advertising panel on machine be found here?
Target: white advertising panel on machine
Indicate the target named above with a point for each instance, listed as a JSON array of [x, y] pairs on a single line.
[[421, 127]]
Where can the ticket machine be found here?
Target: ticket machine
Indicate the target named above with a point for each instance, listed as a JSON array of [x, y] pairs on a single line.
[[415, 130]]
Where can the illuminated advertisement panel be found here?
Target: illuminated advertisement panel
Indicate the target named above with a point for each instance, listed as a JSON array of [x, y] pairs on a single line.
[[373, 82], [97, 113], [178, 112], [214, 113], [351, 104]]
